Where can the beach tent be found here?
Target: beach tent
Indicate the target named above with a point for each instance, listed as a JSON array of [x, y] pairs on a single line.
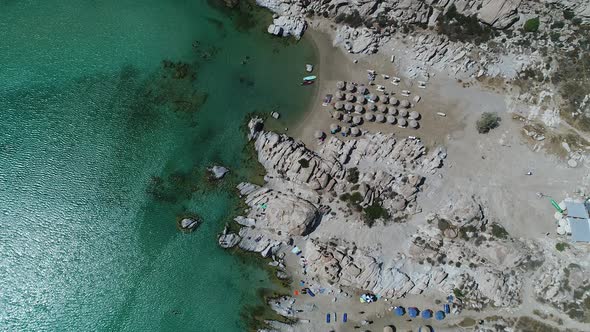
[[392, 110], [405, 104], [399, 311], [391, 119], [341, 85], [357, 120], [350, 87], [427, 314], [334, 128], [382, 108], [414, 115], [413, 124], [369, 117], [354, 131], [359, 109], [338, 105], [393, 101], [346, 118], [403, 113], [402, 122], [380, 118], [350, 97], [319, 134], [348, 107], [413, 312], [439, 315], [372, 107]]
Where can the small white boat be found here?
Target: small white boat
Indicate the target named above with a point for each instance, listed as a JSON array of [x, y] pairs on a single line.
[[441, 114], [309, 68]]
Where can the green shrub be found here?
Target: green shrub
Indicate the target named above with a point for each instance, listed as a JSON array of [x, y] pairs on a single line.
[[557, 25], [532, 25], [459, 27], [373, 212], [353, 175], [499, 231], [458, 293], [304, 163], [568, 14], [487, 122], [561, 246], [353, 19], [443, 225]]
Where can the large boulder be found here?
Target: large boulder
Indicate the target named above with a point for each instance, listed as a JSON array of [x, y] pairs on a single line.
[[500, 14], [291, 215]]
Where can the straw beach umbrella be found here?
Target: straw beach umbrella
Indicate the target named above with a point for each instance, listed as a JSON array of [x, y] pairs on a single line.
[[414, 115], [391, 119], [393, 101], [391, 110], [348, 107], [338, 105], [350, 97], [334, 128], [402, 122], [369, 117], [345, 130], [372, 107], [382, 108], [404, 103], [350, 87], [357, 120], [341, 85], [346, 118], [318, 134], [337, 115], [384, 99], [340, 95], [403, 113], [359, 109], [354, 131], [363, 90], [380, 118], [373, 97], [413, 124]]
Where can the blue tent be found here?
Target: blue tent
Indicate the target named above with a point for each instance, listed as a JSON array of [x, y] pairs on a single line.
[[413, 312], [440, 315], [427, 314], [399, 311]]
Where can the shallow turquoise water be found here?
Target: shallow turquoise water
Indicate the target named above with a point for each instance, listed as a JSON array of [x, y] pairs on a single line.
[[102, 148]]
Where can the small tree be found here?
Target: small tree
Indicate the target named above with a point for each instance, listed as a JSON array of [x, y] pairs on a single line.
[[532, 25], [487, 122], [303, 162]]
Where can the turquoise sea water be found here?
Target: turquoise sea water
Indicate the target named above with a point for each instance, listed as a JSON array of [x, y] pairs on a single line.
[[103, 146]]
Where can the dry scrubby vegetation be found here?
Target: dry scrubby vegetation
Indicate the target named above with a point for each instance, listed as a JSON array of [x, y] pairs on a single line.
[[459, 27], [487, 122]]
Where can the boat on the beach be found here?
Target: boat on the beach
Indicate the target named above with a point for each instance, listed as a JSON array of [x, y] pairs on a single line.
[[310, 78], [307, 82]]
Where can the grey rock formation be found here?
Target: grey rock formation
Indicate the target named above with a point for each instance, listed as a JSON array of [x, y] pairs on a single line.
[[218, 172], [499, 13]]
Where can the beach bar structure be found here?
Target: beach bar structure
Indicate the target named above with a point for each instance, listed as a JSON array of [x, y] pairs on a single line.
[[579, 220]]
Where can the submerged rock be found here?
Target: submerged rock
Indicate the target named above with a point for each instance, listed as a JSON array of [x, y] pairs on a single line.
[[188, 225], [218, 172]]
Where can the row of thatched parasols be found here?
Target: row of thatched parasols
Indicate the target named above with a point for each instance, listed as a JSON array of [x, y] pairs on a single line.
[[383, 110], [357, 120], [373, 98]]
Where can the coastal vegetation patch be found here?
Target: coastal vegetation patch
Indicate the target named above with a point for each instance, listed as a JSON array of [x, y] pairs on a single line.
[[487, 122], [459, 27]]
